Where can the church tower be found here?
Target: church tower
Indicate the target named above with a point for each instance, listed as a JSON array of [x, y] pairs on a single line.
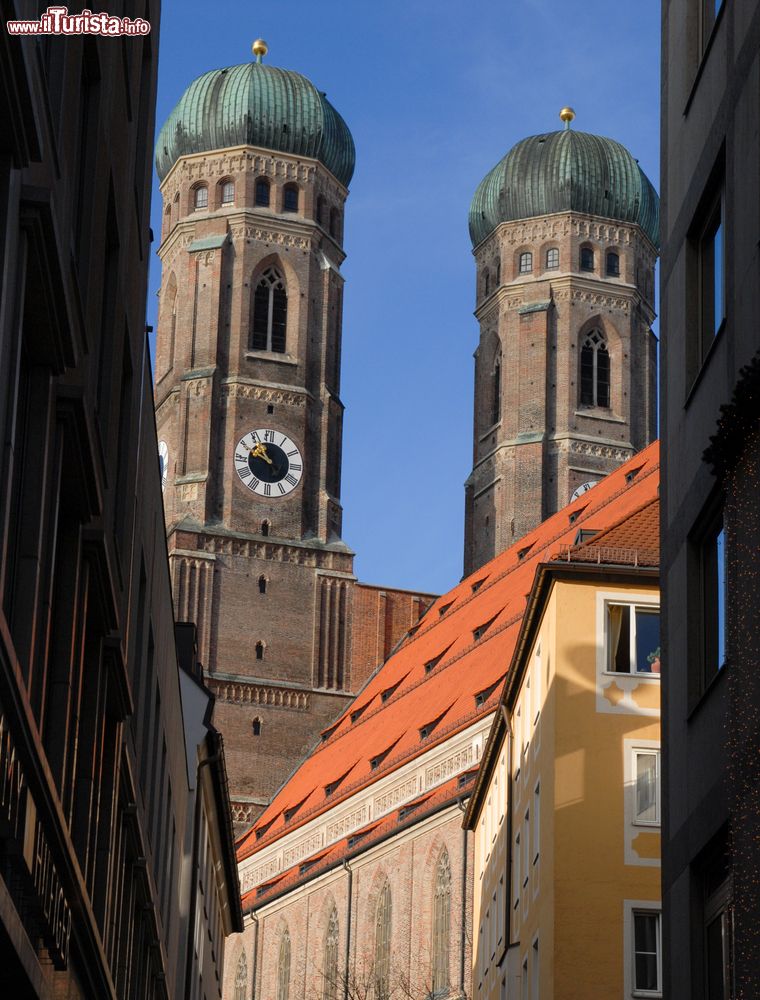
[[565, 236], [255, 164]]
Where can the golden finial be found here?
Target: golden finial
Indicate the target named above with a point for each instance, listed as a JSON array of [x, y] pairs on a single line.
[[260, 49], [567, 115]]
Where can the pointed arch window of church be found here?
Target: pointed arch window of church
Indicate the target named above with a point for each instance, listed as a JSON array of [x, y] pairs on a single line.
[[261, 195], [262, 584], [259, 650], [526, 262], [265, 526], [270, 313], [330, 961], [441, 925], [290, 198], [496, 391], [595, 370], [383, 944], [228, 192], [283, 967], [321, 210], [241, 978], [256, 726], [552, 259]]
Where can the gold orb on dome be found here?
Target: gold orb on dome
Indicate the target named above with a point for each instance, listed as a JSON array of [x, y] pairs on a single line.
[[567, 115], [260, 48]]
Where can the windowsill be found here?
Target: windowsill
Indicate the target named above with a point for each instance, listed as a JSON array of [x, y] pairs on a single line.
[[646, 993], [646, 675], [700, 69], [647, 824], [705, 364], [705, 694], [282, 359], [599, 413]]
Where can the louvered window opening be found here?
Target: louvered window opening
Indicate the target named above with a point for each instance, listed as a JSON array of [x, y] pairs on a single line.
[[330, 973], [270, 313], [383, 945], [441, 926], [595, 371], [241, 978], [496, 393], [283, 968]]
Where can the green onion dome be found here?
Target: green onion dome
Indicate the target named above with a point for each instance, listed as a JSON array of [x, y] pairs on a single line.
[[257, 105], [565, 171]]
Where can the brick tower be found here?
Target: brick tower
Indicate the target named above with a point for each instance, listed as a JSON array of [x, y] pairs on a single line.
[[565, 233], [254, 164]]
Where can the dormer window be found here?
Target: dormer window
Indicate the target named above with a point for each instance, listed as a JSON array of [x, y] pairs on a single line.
[[290, 198], [201, 198], [480, 631], [526, 262], [262, 192]]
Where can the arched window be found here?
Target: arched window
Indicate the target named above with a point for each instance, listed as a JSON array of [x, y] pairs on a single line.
[[552, 259], [241, 979], [595, 370], [613, 265], [256, 726], [330, 958], [441, 924], [497, 273], [383, 944], [262, 585], [486, 282], [321, 210], [270, 313], [261, 195], [526, 262], [496, 391], [265, 526], [283, 967], [290, 198], [259, 650], [228, 192], [334, 223], [587, 259], [201, 197]]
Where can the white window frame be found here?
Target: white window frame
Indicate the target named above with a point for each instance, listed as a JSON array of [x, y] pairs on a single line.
[[516, 875], [634, 606], [631, 907], [536, 823], [627, 683], [526, 866], [650, 752]]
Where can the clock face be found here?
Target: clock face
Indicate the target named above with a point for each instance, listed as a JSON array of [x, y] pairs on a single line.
[[163, 462], [583, 488], [268, 463]]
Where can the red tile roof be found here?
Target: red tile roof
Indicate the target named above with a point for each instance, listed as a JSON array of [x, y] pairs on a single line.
[[447, 691]]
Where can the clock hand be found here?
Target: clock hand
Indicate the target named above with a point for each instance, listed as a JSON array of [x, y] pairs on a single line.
[[260, 451]]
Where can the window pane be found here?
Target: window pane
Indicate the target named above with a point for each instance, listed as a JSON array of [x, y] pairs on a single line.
[[720, 557], [587, 259], [279, 319], [646, 787], [587, 375], [201, 197], [260, 317], [715, 954], [620, 638], [647, 641], [646, 943], [613, 265], [552, 258], [262, 193], [602, 376], [718, 277], [290, 199], [228, 193]]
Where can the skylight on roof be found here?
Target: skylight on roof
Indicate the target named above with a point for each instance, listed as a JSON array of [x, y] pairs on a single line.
[[480, 631], [444, 608]]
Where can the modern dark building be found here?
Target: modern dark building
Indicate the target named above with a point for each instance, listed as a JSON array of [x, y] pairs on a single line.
[[96, 813], [710, 303]]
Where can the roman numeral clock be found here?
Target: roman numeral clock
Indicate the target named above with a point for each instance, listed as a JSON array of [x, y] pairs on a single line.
[[268, 462]]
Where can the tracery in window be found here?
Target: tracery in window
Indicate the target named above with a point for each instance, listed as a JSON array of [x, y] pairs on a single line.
[[270, 313], [330, 958], [595, 370], [261, 196], [283, 967], [441, 924], [241, 978], [382, 970]]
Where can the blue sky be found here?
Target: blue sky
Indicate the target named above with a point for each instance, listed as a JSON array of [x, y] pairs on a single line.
[[435, 93]]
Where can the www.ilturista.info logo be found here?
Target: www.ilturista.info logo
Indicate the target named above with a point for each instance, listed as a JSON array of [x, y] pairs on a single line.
[[58, 21]]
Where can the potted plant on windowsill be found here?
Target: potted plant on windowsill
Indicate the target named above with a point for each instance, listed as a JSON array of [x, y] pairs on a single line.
[[654, 661]]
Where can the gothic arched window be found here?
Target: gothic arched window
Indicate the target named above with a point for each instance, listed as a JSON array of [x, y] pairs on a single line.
[[256, 726], [334, 223], [526, 262], [321, 210], [228, 192], [496, 391], [552, 259], [261, 194], [265, 526], [383, 944], [270, 313], [595, 370], [241, 979], [441, 924], [486, 282], [201, 197], [330, 958], [259, 650], [290, 198], [262, 584], [497, 272], [283, 967], [613, 265]]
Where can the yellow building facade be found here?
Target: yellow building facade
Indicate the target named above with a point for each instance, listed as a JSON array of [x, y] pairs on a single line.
[[566, 810]]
